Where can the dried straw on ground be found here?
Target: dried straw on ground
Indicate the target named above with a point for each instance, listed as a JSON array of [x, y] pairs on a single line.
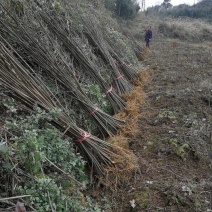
[[144, 54], [131, 114]]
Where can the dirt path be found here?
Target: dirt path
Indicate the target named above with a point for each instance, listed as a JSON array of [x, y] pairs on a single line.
[[174, 147]]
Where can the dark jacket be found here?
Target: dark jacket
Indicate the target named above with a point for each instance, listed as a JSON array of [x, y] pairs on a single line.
[[148, 35]]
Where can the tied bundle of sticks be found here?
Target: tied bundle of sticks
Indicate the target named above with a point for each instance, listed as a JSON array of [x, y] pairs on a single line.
[[108, 49], [126, 68], [50, 60], [93, 32], [31, 90], [115, 50], [136, 46], [83, 59]]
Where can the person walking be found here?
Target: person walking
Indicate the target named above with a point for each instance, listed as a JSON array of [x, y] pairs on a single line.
[[148, 36]]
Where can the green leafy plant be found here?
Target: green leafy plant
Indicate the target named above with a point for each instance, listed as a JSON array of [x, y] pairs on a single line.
[[47, 195], [126, 9], [180, 150], [55, 172], [94, 92]]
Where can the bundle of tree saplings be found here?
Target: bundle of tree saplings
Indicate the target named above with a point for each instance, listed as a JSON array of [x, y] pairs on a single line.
[[125, 67], [93, 31], [137, 47], [74, 47], [31, 91], [48, 54]]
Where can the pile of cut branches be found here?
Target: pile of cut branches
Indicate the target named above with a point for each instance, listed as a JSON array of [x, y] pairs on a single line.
[[32, 91], [46, 53], [93, 31], [45, 41], [83, 59]]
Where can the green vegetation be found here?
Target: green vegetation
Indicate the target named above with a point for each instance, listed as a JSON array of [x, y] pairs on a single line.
[[64, 68], [126, 9], [186, 29], [61, 96], [202, 9], [95, 94], [52, 172], [166, 4]]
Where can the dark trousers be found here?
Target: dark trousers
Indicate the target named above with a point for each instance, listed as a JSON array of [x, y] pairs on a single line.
[[147, 43]]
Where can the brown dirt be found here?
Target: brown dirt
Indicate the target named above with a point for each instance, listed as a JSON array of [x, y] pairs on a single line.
[[174, 142]]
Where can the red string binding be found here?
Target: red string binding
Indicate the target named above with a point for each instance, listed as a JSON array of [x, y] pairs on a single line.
[[117, 78], [84, 135], [110, 90], [128, 65], [91, 113]]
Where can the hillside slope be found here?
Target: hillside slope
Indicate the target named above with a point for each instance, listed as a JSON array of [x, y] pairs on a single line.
[[174, 145], [79, 81]]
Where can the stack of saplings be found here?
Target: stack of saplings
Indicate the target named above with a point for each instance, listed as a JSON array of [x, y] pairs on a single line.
[[42, 36], [83, 59], [93, 31], [47, 55], [31, 90]]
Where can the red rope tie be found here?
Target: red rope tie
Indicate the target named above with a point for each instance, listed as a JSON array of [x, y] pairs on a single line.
[[91, 113], [110, 90], [117, 78], [128, 65], [84, 135]]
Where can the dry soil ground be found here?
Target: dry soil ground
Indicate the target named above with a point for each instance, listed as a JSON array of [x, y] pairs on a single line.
[[174, 146]]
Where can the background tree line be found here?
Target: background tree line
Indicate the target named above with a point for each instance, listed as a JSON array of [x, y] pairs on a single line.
[[126, 9], [202, 9]]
